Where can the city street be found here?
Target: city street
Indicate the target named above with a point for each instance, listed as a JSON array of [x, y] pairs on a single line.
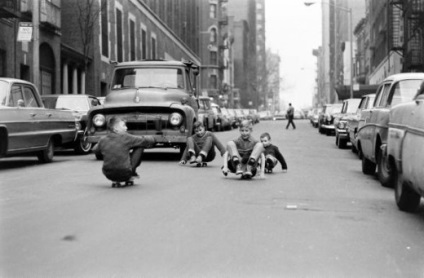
[[322, 218]]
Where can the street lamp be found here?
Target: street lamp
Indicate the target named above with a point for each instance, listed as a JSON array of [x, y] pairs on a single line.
[[349, 11]]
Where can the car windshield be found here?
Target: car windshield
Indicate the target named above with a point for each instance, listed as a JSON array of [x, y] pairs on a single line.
[[72, 103], [3, 93], [352, 105], [167, 78], [337, 108]]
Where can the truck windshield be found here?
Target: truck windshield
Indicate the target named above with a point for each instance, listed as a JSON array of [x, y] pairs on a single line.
[[166, 78]]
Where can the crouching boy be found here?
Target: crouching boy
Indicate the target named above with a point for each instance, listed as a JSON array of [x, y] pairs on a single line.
[[122, 152]]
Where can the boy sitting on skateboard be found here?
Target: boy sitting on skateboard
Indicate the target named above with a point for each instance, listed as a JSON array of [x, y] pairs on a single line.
[[201, 146], [119, 165], [272, 154], [243, 153]]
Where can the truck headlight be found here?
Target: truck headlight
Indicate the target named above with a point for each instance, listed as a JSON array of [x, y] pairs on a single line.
[[175, 119], [99, 120]]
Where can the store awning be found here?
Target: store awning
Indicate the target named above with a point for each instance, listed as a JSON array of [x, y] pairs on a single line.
[[343, 92]]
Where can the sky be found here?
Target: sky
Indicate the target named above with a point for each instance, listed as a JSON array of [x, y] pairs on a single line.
[[293, 30]]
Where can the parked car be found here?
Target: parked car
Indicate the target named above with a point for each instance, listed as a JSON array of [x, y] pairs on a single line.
[[367, 102], [233, 113], [154, 98], [240, 115], [349, 109], [405, 149], [279, 116], [265, 115], [255, 115], [298, 115], [326, 119], [222, 122], [395, 89], [206, 114], [79, 105], [230, 116], [314, 115], [27, 127]]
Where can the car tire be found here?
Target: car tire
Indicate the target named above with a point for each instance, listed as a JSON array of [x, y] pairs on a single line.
[[99, 156], [385, 171], [82, 146], [368, 167], [406, 198], [46, 156]]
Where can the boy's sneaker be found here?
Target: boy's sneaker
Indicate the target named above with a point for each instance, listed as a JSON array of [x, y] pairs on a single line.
[[134, 176], [248, 172], [199, 159], [239, 169], [192, 159]]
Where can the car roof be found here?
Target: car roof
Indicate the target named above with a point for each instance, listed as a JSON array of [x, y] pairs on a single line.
[[9, 79], [404, 75], [68, 96], [151, 63]]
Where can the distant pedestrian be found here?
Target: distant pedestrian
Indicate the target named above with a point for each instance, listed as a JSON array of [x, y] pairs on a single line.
[[290, 116], [122, 152]]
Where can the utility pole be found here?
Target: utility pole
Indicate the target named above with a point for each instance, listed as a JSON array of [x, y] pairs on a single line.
[[35, 44]]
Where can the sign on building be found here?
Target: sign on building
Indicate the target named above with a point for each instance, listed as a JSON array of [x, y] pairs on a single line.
[[25, 32]]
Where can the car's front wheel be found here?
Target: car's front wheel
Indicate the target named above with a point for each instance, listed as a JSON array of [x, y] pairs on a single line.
[[406, 199], [46, 155], [385, 170], [82, 146]]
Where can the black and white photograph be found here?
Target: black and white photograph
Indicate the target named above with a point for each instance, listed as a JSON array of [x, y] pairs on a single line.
[[211, 138]]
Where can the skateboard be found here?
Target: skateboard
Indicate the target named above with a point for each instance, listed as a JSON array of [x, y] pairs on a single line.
[[203, 164], [118, 184], [268, 170], [242, 176]]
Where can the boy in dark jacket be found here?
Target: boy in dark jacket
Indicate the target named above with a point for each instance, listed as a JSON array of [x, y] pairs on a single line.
[[119, 165], [201, 146], [272, 154]]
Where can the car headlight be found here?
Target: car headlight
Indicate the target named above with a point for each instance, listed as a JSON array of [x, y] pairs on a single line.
[[175, 119], [99, 120], [342, 125]]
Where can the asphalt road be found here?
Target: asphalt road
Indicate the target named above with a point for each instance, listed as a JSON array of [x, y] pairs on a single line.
[[323, 218]]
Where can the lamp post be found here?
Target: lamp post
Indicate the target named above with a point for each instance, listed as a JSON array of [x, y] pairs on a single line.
[[349, 11]]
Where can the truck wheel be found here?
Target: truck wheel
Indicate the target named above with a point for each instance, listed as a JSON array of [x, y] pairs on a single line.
[[368, 167], [82, 146], [46, 156], [406, 199], [385, 170]]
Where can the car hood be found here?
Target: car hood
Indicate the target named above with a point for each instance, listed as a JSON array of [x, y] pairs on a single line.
[[153, 97]]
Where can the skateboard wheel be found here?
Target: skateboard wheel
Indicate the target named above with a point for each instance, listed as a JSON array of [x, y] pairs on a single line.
[[128, 183], [116, 184]]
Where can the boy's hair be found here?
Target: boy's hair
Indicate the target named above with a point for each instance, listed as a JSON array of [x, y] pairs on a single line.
[[246, 124], [197, 124], [112, 122], [265, 134]]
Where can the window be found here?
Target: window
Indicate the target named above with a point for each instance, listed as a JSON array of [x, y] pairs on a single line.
[[213, 57], [404, 91], [132, 41], [30, 99], [105, 30], [16, 97], [213, 82], [213, 35], [143, 44], [212, 10], [119, 38]]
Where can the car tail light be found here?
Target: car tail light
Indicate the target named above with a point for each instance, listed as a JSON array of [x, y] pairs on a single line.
[[99, 120], [175, 119]]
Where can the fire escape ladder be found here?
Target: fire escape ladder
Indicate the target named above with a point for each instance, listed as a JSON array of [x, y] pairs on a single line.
[[395, 28]]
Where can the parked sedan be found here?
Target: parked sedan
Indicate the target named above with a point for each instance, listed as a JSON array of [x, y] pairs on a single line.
[[394, 90], [27, 127], [350, 106], [79, 105], [223, 123], [405, 149], [326, 119], [206, 114], [353, 122]]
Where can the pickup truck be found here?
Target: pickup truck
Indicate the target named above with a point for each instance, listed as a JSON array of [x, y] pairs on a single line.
[[372, 135], [405, 148], [26, 126]]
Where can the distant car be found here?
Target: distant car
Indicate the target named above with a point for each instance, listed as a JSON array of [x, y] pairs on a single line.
[[206, 114], [298, 115], [27, 127], [394, 90], [314, 115], [233, 113], [353, 121], [350, 106], [405, 149], [326, 119], [79, 105], [255, 115], [222, 123], [230, 116], [265, 115], [279, 116]]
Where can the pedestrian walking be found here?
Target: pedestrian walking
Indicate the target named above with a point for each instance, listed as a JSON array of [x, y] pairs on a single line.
[[122, 152], [290, 116], [201, 146]]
